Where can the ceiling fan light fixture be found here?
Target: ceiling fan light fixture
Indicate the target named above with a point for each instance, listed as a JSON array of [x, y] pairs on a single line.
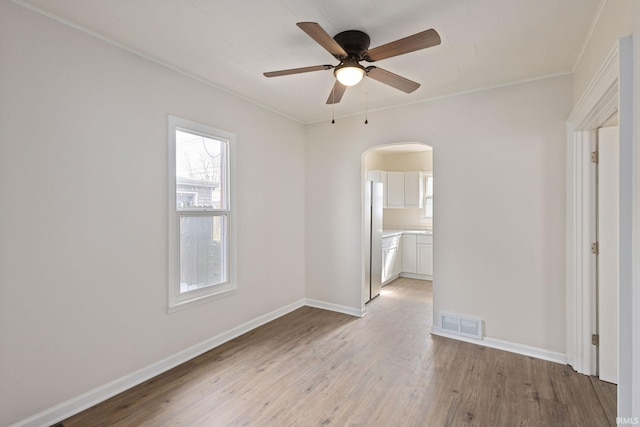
[[349, 73], [351, 47]]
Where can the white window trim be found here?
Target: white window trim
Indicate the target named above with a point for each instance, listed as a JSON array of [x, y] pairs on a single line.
[[423, 209], [178, 301]]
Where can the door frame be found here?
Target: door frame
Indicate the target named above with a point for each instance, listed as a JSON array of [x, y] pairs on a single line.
[[611, 90]]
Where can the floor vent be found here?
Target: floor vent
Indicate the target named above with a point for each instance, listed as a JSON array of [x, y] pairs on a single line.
[[467, 326]]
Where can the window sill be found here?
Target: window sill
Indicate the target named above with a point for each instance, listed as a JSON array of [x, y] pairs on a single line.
[[223, 293]]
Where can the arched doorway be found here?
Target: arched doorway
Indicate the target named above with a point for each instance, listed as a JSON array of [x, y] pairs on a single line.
[[401, 244]]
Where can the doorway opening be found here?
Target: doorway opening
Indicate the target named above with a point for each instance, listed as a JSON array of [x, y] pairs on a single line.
[[397, 216], [606, 195], [610, 92]]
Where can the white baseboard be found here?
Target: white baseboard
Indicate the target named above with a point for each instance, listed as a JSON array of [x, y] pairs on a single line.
[[416, 276], [99, 394], [335, 307], [525, 350]]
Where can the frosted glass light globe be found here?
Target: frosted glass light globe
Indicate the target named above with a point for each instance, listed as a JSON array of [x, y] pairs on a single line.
[[349, 75]]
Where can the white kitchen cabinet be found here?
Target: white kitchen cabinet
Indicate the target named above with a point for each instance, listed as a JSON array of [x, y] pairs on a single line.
[[391, 257], [409, 254], [399, 257], [400, 189], [395, 189], [425, 255], [380, 176], [413, 189], [417, 256]]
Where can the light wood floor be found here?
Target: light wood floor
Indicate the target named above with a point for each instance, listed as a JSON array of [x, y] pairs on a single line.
[[315, 368]]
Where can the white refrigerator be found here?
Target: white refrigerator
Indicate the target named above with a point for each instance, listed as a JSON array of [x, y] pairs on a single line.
[[373, 240]]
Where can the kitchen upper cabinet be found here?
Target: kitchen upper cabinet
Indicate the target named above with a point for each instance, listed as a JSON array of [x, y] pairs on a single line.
[[401, 189], [395, 189], [413, 189]]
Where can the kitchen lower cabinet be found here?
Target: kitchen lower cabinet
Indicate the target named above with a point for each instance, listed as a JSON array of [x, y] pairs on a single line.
[[417, 256], [391, 258], [425, 259], [424, 246], [409, 254]]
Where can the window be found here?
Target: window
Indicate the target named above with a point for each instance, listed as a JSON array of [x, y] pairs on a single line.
[[200, 214], [427, 210]]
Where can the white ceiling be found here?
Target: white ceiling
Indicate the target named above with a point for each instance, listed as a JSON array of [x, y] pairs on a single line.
[[230, 43]]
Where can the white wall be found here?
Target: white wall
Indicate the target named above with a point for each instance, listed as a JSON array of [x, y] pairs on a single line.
[[615, 21], [83, 183], [83, 221], [407, 162], [632, 330], [374, 160], [621, 18], [499, 247]]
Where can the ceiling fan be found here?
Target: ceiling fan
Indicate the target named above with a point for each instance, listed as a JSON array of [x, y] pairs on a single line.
[[350, 48]]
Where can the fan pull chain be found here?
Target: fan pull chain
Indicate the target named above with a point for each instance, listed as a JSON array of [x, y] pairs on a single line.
[[366, 108], [366, 104], [333, 105]]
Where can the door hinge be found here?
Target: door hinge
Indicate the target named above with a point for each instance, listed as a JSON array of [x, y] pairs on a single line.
[[595, 248], [594, 157], [595, 339]]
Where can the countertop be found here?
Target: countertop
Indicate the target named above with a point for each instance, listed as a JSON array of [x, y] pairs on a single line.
[[396, 232]]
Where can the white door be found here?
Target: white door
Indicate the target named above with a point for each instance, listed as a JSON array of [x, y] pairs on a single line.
[[608, 231]]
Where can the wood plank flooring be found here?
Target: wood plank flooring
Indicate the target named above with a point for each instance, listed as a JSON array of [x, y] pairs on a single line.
[[318, 368]]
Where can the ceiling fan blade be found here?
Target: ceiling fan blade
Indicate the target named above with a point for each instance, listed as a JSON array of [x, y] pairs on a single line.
[[297, 70], [316, 32], [422, 40], [393, 80], [336, 93]]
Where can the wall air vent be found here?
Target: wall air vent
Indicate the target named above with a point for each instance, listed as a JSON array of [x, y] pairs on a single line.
[[466, 326]]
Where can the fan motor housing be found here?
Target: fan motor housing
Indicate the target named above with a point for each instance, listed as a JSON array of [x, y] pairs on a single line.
[[354, 42]]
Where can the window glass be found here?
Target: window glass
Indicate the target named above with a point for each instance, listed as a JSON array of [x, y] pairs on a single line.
[[199, 171], [199, 215], [428, 205], [426, 212], [202, 252]]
